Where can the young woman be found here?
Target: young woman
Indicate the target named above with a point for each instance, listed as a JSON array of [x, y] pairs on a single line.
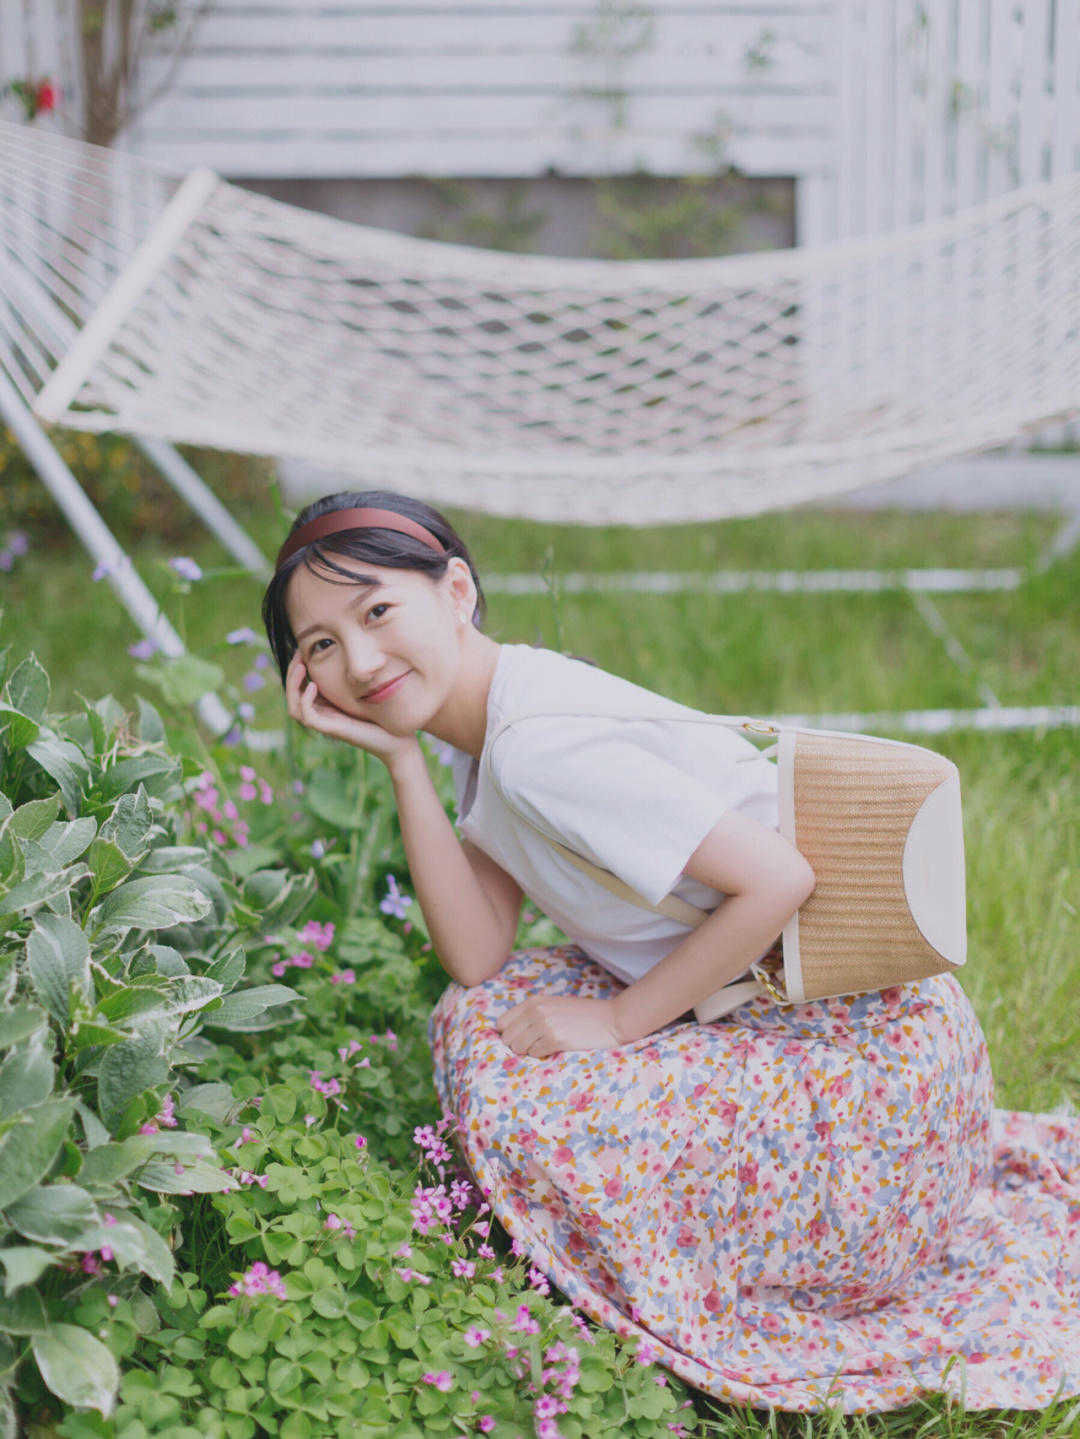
[[795, 1207]]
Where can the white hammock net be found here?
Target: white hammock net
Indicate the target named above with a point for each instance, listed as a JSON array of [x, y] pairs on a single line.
[[590, 392]]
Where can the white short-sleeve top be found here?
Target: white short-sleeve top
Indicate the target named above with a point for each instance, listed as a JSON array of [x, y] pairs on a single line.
[[636, 795]]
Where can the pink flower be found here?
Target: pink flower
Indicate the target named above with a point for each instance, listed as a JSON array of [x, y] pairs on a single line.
[[320, 936], [259, 1280], [442, 1380]]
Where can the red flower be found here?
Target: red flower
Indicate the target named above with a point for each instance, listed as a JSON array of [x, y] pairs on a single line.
[[47, 96], [748, 1172]]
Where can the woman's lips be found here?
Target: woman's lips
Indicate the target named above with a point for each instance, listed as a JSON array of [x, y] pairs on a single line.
[[387, 690]]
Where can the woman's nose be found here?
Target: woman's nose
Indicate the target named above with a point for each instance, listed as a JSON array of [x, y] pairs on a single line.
[[363, 658]]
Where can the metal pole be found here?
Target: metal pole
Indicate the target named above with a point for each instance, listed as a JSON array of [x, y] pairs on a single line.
[[188, 484], [106, 550]]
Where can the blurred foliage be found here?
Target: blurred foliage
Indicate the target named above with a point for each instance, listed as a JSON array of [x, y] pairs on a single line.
[[121, 483]]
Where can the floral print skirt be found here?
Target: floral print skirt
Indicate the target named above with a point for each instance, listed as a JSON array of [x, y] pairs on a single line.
[[793, 1208]]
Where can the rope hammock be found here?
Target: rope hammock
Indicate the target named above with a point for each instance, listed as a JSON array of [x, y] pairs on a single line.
[[592, 392]]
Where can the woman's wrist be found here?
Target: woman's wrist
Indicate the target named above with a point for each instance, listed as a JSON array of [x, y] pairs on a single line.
[[621, 1022], [404, 761]]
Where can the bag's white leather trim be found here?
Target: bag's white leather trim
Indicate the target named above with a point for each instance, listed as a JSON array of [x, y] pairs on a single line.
[[723, 1001], [785, 764], [933, 867]]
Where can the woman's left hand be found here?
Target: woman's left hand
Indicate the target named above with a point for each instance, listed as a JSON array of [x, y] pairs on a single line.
[[548, 1024]]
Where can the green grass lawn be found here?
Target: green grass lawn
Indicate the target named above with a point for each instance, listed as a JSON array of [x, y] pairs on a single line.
[[747, 653]]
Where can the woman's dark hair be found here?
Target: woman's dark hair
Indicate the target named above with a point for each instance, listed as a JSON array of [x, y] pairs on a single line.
[[389, 548]]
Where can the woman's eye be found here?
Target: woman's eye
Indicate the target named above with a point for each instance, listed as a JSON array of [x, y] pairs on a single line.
[[315, 647], [377, 607]]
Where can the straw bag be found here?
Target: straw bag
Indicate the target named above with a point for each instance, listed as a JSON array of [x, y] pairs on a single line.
[[879, 822]]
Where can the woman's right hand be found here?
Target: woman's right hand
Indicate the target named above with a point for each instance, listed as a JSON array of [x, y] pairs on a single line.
[[310, 709]]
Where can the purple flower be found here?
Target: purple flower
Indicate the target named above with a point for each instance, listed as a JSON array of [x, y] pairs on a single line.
[[143, 650], [253, 682], [395, 902], [18, 543], [110, 567], [186, 567], [246, 711], [245, 636]]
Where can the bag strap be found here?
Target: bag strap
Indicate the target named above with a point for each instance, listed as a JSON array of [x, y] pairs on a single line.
[[670, 905]]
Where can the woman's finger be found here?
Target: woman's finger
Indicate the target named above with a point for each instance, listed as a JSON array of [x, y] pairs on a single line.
[[295, 675], [297, 694]]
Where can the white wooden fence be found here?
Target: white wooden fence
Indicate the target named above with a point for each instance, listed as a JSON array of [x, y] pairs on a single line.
[[494, 88]]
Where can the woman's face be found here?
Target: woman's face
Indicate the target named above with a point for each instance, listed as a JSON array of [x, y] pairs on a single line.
[[353, 638]]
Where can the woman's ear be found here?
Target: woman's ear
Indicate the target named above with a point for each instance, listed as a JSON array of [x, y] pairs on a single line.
[[462, 589]]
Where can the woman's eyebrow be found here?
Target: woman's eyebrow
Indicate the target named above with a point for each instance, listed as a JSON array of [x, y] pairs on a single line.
[[364, 592]]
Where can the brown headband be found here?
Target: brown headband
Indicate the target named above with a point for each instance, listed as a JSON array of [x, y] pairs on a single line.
[[354, 519]]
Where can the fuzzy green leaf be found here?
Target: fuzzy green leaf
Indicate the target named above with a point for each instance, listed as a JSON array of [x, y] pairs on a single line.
[[28, 687], [128, 1069], [22, 731], [135, 1245], [196, 1175], [17, 1023], [28, 1150], [31, 820], [66, 842], [57, 957], [23, 1264], [124, 774], [24, 1315], [27, 1075], [154, 902], [78, 1368], [130, 824], [151, 726], [33, 892], [106, 1163], [68, 766], [88, 1032], [52, 1213], [108, 864], [245, 1005]]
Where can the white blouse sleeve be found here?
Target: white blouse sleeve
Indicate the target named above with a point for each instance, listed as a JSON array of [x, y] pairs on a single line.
[[610, 800]]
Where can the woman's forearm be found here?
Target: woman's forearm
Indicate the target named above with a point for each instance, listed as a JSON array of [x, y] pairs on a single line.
[[740, 929], [463, 926]]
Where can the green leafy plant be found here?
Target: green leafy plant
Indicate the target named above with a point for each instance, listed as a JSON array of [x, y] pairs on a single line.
[[118, 945], [335, 1294]]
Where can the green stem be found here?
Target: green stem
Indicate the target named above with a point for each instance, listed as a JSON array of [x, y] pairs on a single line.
[[363, 865]]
